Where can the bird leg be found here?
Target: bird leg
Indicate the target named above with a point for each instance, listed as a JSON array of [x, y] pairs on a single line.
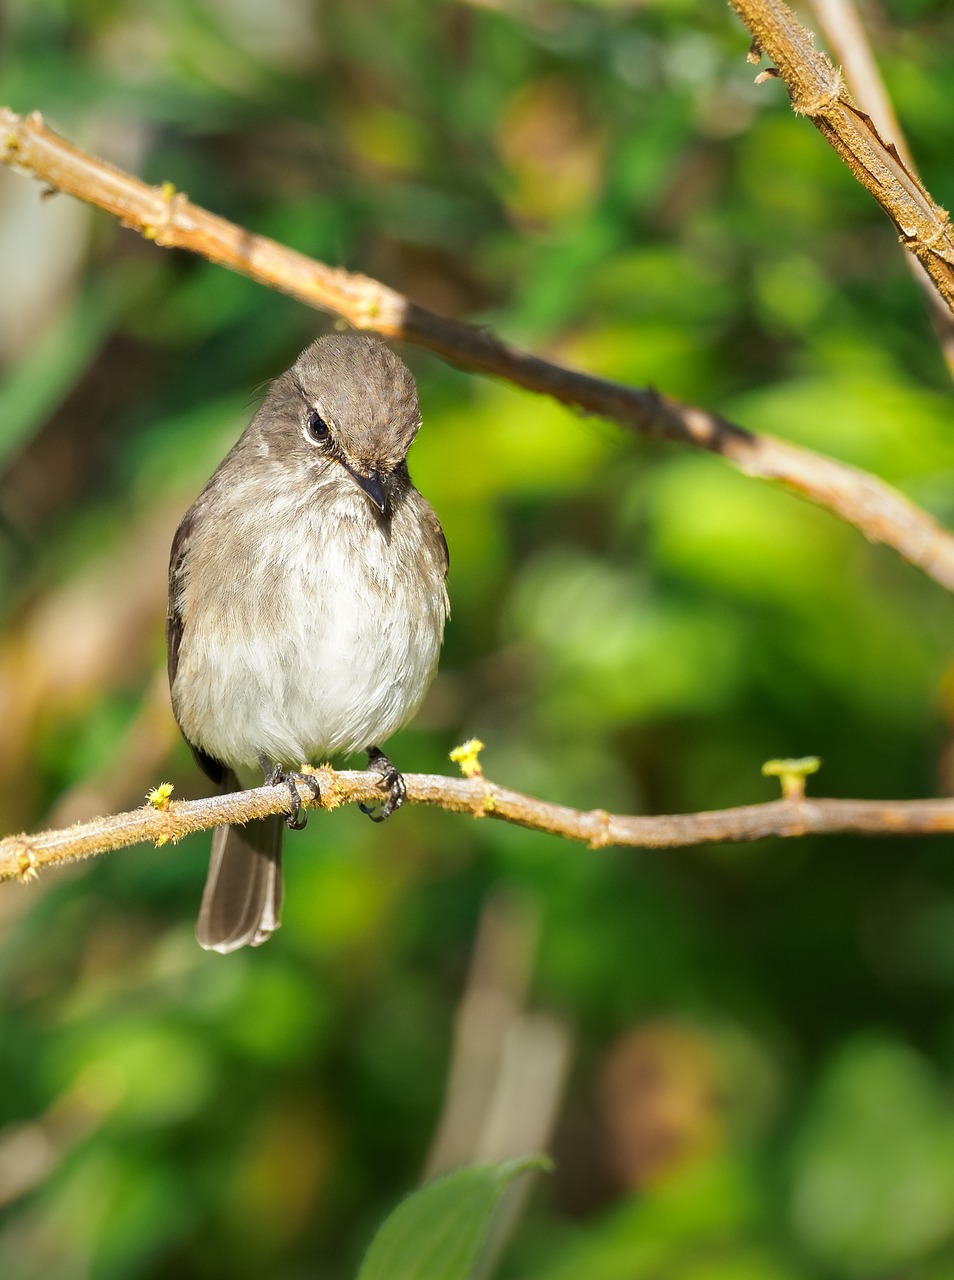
[[296, 819], [391, 779]]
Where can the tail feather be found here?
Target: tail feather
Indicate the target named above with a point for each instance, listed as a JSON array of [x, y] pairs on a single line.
[[242, 900]]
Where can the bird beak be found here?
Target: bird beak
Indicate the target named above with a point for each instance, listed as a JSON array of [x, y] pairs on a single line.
[[373, 486]]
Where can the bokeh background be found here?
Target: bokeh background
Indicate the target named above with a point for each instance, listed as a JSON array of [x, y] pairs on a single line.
[[747, 1053]]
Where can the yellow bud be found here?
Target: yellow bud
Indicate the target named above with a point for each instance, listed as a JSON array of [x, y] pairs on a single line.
[[159, 796], [466, 756]]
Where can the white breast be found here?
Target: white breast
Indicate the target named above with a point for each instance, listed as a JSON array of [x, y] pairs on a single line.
[[322, 646]]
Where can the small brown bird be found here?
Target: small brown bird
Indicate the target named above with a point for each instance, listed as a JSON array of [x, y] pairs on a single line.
[[307, 604]]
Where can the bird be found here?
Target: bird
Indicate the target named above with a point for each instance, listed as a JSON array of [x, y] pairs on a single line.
[[307, 605]]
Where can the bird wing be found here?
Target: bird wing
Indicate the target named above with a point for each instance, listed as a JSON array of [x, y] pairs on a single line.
[[213, 768]]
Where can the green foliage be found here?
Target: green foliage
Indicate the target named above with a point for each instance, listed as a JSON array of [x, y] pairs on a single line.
[[762, 1035], [440, 1232], [873, 1170]]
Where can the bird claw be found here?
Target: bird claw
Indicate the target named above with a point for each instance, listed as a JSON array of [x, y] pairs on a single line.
[[297, 818], [392, 780]]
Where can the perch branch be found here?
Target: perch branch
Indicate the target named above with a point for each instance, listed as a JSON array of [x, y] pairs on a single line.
[[818, 91], [166, 216], [23, 856]]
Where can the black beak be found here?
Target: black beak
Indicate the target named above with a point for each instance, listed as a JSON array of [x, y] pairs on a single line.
[[373, 486]]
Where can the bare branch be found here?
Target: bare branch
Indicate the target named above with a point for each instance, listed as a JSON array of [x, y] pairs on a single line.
[[21, 857], [845, 34], [818, 91], [161, 214]]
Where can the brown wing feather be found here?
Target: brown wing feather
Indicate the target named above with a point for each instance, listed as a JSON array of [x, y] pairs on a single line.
[[211, 767], [439, 535], [173, 616]]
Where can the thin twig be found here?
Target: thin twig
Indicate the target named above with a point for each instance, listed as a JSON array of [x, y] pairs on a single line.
[[161, 214], [848, 40], [23, 856], [818, 91]]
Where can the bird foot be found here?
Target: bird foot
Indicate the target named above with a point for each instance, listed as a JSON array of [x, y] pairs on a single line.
[[391, 780], [296, 819]]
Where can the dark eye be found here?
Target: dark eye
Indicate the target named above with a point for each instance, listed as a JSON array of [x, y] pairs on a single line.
[[316, 426]]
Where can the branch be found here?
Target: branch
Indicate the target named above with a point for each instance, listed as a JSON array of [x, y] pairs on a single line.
[[161, 214], [818, 91], [163, 821], [848, 41]]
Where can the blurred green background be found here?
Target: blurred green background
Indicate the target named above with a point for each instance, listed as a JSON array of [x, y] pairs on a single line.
[[747, 1053]]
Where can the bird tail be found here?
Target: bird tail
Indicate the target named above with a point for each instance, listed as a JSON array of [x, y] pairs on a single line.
[[242, 900]]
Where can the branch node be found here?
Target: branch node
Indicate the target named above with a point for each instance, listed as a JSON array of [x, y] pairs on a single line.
[[770, 73], [484, 800], [26, 864], [330, 794], [821, 104], [754, 55], [601, 836], [159, 799], [162, 231], [938, 236], [171, 834]]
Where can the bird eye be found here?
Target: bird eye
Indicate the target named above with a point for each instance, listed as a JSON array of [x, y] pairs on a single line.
[[316, 426]]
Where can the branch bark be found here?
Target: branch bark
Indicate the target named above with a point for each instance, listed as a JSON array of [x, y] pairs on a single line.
[[166, 216], [23, 856], [848, 41], [817, 90]]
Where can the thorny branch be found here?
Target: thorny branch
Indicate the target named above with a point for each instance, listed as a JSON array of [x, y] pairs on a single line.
[[166, 216], [818, 91], [848, 41], [22, 857]]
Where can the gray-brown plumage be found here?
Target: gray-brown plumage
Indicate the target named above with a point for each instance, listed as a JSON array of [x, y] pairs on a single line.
[[306, 602]]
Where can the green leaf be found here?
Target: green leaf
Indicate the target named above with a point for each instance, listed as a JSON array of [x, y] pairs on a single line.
[[438, 1232]]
